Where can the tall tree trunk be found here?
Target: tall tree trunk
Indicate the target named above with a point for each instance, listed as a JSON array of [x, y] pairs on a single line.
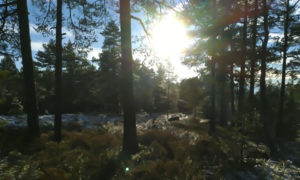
[[222, 70], [30, 95], [241, 104], [212, 124], [264, 101], [253, 60], [243, 60], [232, 94], [223, 116], [58, 70], [115, 100], [129, 137], [70, 86], [232, 89], [282, 89]]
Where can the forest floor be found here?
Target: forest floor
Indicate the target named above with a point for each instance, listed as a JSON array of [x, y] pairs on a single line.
[[167, 150]]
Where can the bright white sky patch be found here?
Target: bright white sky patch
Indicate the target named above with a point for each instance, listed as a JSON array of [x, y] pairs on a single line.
[[94, 53], [35, 46]]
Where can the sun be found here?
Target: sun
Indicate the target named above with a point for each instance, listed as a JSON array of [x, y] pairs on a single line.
[[169, 42], [169, 37]]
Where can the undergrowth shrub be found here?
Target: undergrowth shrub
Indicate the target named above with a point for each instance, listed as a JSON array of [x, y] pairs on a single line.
[[80, 155], [96, 155]]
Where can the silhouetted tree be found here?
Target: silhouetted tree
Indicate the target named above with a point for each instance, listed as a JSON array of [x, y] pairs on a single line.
[[129, 137], [253, 57], [243, 61], [263, 98], [289, 49], [58, 73], [30, 95], [109, 66]]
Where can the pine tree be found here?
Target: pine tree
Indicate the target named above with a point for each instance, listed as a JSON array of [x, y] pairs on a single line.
[[243, 61], [58, 73], [129, 137], [289, 42], [253, 57], [109, 66], [7, 63], [30, 95], [9, 37], [46, 57], [263, 97]]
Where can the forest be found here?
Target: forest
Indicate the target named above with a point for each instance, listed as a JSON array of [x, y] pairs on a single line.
[[150, 89]]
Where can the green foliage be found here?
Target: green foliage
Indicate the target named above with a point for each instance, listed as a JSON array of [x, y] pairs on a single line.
[[191, 91], [109, 69], [46, 57], [165, 90], [10, 87], [83, 27], [3, 122], [84, 88], [144, 88], [8, 64], [290, 127]]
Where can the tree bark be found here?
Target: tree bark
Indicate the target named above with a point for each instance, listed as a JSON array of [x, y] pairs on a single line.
[[223, 116], [232, 93], [232, 89], [30, 93], [243, 60], [264, 101], [129, 137], [212, 124], [253, 60], [282, 89], [58, 70]]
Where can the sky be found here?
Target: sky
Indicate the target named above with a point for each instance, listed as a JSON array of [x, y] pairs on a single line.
[[37, 39], [179, 70]]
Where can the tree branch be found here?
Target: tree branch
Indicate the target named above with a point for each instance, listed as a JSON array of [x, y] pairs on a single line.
[[74, 26], [166, 5], [48, 11], [8, 4], [4, 18], [5, 54], [7, 14], [142, 24], [295, 4]]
